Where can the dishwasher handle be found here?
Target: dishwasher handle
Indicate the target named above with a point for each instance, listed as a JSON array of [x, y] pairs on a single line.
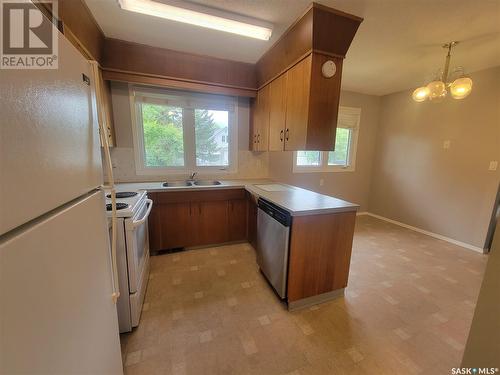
[[279, 214]]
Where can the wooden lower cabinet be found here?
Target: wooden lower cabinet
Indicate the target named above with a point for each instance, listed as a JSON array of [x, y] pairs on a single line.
[[237, 219], [174, 225], [320, 254], [209, 223], [252, 220], [197, 218]]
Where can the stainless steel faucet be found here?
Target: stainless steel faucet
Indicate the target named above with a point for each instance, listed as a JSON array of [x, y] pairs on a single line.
[[191, 176]]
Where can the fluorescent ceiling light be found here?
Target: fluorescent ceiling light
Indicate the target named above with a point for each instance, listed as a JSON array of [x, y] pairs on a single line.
[[174, 13]]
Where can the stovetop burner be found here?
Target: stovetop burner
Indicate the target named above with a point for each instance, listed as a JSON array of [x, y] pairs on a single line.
[[124, 194], [119, 206]]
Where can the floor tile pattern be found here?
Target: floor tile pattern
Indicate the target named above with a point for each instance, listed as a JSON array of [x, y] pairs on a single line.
[[407, 310]]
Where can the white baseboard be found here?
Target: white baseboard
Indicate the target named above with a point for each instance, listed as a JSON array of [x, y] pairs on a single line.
[[426, 232], [362, 213]]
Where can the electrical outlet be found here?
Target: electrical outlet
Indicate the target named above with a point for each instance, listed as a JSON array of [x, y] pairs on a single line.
[[321, 182], [447, 144], [493, 165]]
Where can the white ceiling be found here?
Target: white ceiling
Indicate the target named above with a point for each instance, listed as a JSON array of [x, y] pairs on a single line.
[[397, 46]]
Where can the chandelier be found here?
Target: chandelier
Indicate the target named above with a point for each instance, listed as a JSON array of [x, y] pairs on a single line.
[[459, 85]]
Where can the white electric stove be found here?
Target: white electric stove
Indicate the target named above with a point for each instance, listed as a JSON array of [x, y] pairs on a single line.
[[132, 251]]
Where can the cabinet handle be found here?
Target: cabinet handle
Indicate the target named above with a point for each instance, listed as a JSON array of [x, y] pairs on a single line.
[[287, 134], [258, 138], [199, 208], [255, 138], [281, 135]]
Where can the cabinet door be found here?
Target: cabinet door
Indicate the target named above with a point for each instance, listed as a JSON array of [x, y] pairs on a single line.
[[260, 136], [297, 105], [277, 113], [237, 212], [252, 219], [175, 225], [154, 225], [263, 135], [254, 118], [210, 222]]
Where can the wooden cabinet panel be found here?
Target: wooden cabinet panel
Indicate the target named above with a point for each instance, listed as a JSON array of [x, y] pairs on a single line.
[[197, 218], [154, 225], [277, 113], [237, 219], [189, 195], [175, 225], [209, 222], [323, 105], [297, 105], [252, 220], [302, 106], [320, 254], [260, 125], [319, 28]]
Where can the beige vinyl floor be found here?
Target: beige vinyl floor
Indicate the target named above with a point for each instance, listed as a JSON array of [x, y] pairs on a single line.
[[407, 310]]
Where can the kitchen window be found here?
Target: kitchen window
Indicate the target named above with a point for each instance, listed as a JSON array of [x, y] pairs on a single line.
[[343, 159], [180, 132]]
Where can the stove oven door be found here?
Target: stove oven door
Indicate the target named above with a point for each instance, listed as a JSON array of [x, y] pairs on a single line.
[[136, 233]]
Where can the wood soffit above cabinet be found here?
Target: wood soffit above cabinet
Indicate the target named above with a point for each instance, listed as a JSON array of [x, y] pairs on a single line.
[[139, 59], [319, 29]]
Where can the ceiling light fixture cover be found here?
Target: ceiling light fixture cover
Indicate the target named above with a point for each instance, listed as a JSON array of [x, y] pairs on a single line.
[[461, 88], [174, 13], [436, 90], [421, 94]]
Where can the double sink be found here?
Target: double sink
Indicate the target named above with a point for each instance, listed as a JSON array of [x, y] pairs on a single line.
[[191, 183]]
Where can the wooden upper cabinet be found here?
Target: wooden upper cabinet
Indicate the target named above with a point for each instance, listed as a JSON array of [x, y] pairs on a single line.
[[303, 97], [297, 104], [299, 108], [277, 113], [260, 122], [312, 104]]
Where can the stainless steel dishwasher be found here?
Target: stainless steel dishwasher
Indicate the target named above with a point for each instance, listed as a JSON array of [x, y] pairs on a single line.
[[273, 233]]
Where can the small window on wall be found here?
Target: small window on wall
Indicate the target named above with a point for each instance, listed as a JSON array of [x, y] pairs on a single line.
[[344, 157], [179, 132]]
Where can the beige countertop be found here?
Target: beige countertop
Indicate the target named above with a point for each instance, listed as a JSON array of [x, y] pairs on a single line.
[[295, 200]]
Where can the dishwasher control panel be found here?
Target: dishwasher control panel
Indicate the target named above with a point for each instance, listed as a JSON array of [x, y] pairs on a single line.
[[276, 212]]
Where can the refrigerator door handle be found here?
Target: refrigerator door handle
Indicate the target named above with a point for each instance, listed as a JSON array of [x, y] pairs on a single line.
[[109, 167]]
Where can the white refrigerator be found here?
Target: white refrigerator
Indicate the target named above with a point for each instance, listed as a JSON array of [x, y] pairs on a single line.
[[57, 315]]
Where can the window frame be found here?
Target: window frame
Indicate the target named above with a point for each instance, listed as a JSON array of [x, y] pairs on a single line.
[[355, 114], [189, 101]]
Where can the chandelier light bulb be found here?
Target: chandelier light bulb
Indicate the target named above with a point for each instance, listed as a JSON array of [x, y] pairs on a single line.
[[437, 90], [420, 94], [461, 88]]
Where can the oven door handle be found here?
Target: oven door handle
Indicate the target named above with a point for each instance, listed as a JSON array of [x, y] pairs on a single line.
[[141, 221]]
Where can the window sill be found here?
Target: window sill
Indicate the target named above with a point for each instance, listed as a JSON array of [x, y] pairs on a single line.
[[322, 170], [183, 171]]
